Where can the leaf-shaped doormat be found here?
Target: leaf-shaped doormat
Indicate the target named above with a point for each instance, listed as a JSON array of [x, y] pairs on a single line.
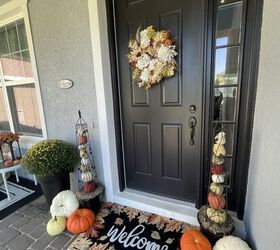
[[118, 227]]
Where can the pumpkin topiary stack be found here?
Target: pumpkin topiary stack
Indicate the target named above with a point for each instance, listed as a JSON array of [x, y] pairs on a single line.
[[214, 219], [90, 190]]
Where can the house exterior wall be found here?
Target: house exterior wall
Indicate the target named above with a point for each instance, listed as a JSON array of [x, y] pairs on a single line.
[[57, 29], [62, 44], [262, 218]]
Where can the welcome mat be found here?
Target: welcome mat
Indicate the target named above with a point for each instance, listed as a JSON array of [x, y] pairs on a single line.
[[118, 227], [21, 193]]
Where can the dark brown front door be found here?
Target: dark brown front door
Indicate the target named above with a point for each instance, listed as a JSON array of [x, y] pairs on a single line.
[[158, 156]]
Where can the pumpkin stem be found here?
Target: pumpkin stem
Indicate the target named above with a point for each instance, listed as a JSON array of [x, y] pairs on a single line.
[[55, 218]]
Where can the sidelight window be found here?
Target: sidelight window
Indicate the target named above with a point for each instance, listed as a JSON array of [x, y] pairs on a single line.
[[227, 76]]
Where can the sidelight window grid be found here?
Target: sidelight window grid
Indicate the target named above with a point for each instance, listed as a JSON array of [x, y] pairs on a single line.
[[226, 86]]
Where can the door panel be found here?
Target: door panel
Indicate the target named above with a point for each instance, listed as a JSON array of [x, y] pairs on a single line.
[[158, 157]]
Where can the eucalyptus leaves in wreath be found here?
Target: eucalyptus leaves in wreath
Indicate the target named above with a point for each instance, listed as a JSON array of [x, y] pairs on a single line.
[[151, 56]]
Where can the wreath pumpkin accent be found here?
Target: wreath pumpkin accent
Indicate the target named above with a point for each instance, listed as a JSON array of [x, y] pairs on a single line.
[[151, 56]]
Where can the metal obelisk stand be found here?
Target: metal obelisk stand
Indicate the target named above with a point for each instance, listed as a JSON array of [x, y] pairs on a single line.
[[89, 188]]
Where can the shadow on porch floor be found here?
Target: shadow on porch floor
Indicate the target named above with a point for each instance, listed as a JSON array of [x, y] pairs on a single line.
[[26, 229]]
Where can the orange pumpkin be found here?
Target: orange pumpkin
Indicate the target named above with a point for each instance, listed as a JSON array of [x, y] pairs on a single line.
[[80, 221], [89, 186], [217, 169], [9, 163], [194, 240], [216, 201], [82, 139]]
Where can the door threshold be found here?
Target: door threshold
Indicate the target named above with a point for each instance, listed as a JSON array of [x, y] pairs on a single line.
[[171, 208]]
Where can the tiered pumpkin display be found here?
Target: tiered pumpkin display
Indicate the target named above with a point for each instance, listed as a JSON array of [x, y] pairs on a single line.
[[216, 196], [89, 190], [214, 220]]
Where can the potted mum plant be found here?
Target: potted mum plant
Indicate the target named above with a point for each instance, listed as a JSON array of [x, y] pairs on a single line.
[[51, 161]]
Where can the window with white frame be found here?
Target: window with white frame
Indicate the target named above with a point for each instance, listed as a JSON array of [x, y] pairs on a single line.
[[20, 102]]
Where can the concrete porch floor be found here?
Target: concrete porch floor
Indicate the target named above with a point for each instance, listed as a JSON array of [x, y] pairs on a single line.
[[26, 229]]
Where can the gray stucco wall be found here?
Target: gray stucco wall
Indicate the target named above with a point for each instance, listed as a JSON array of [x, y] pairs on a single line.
[[62, 44], [262, 219], [61, 37]]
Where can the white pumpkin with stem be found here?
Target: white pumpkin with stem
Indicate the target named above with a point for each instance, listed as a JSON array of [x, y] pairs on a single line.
[[56, 225], [219, 150], [217, 160], [64, 203], [218, 216], [217, 188], [231, 243], [218, 178], [87, 176]]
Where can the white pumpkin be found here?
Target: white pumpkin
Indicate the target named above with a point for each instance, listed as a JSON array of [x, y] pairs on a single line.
[[217, 160], [220, 138], [85, 161], [219, 150], [64, 203], [231, 243], [217, 188], [218, 216], [218, 178], [56, 225], [87, 176]]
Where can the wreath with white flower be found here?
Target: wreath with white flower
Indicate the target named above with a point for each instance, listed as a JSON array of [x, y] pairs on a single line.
[[151, 56]]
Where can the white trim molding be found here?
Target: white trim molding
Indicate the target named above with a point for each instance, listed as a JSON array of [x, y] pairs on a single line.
[[10, 12], [102, 75]]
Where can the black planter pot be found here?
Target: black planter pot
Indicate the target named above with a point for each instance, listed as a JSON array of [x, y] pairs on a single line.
[[52, 185]]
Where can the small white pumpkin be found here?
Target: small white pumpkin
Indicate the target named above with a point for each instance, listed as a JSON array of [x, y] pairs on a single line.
[[219, 150], [220, 138], [218, 178], [231, 243], [85, 161], [86, 176], [84, 168], [56, 225], [217, 160], [64, 203], [217, 188], [218, 216]]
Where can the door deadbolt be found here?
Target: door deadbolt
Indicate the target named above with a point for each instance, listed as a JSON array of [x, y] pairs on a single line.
[[192, 108]]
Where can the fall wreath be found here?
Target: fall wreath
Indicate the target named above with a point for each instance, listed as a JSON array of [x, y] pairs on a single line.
[[151, 56]]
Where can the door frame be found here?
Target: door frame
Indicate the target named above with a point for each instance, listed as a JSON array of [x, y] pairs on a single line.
[[105, 75], [117, 99]]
